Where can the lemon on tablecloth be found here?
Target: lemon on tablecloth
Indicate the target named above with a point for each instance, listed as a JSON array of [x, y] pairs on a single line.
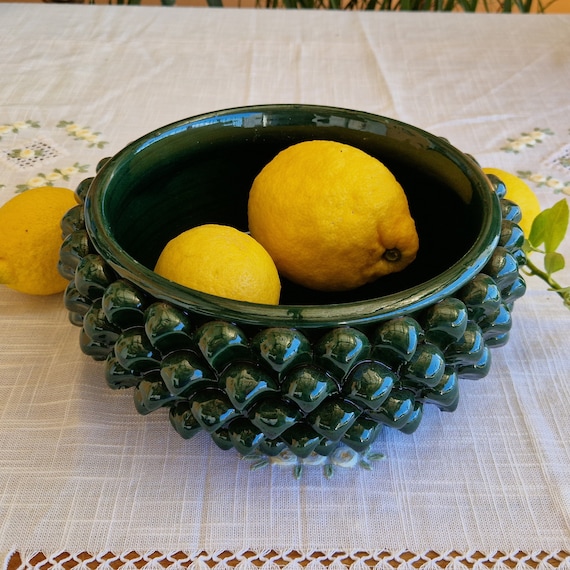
[[30, 239], [331, 216], [222, 261], [520, 193]]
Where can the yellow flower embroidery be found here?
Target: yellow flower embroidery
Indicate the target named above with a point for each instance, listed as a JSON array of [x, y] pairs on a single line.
[[27, 153], [57, 175], [526, 140], [35, 182], [82, 134], [540, 179], [17, 126], [69, 170]]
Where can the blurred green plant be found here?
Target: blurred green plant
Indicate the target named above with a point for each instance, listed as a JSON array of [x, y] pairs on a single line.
[[500, 6], [138, 2], [547, 233]]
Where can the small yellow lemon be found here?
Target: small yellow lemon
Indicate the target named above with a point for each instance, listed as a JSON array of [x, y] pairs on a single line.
[[222, 261], [30, 238], [331, 216], [520, 193]]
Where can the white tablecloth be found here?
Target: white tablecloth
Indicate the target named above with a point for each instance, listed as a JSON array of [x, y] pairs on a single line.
[[84, 477]]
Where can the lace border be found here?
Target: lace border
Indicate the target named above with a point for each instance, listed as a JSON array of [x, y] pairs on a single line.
[[290, 560]]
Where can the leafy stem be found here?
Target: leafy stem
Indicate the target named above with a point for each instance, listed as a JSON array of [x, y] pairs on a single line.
[[564, 292], [547, 232]]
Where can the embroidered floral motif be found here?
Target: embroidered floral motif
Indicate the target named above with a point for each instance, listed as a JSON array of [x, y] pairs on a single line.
[[526, 140], [17, 127], [82, 134], [25, 153], [32, 153], [545, 181], [51, 178]]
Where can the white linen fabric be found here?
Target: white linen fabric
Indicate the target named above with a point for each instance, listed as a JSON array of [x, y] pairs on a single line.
[[82, 472]]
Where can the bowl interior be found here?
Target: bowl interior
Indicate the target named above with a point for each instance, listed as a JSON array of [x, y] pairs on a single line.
[[200, 171]]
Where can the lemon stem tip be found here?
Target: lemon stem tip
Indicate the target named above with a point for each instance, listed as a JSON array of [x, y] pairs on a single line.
[[392, 255]]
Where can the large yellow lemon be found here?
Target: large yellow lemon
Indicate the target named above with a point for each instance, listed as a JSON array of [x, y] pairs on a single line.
[[520, 193], [331, 216], [30, 238], [222, 261]]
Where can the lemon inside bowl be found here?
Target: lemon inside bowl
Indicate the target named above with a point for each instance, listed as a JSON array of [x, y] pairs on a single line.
[[319, 370]]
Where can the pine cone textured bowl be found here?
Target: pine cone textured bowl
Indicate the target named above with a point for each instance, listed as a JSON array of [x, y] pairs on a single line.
[[320, 370]]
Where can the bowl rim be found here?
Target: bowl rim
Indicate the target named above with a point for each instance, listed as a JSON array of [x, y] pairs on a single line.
[[354, 313]]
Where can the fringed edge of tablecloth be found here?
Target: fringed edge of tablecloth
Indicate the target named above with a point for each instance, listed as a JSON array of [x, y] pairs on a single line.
[[22, 559]]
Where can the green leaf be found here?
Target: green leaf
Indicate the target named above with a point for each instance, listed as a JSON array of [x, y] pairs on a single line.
[[538, 230], [553, 262], [559, 224], [549, 227]]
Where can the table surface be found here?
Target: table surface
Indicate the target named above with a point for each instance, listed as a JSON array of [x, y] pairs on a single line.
[[85, 480]]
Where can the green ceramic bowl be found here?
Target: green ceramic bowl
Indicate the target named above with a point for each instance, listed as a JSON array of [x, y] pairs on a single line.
[[320, 370]]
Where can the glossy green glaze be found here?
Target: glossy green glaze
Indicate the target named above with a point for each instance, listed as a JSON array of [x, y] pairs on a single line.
[[319, 370]]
